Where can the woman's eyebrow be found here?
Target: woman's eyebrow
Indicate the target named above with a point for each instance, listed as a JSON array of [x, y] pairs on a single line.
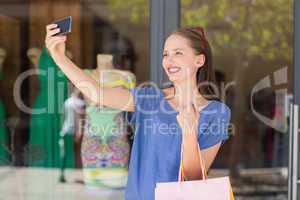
[[177, 49], [166, 51]]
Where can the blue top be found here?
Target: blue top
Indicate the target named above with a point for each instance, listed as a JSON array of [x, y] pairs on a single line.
[[155, 155]]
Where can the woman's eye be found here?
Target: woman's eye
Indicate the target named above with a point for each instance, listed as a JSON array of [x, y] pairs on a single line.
[[164, 55], [178, 53]]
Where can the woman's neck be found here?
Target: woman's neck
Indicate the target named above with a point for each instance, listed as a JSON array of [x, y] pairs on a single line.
[[188, 92]]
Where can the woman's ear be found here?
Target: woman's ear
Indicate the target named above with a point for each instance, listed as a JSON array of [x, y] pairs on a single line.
[[200, 60]]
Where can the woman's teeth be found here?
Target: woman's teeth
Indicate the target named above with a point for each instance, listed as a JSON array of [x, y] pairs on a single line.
[[173, 69]]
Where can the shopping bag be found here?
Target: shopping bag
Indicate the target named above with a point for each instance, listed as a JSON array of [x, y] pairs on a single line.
[[206, 189]]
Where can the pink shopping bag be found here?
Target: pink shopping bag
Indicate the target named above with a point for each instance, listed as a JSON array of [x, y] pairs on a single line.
[[206, 189]]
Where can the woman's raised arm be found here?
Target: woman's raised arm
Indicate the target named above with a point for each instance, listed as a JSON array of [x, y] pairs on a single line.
[[117, 98]]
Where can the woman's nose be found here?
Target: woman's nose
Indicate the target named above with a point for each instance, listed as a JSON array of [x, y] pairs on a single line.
[[169, 59]]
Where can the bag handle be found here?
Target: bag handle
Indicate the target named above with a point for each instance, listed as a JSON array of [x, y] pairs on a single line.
[[181, 168]]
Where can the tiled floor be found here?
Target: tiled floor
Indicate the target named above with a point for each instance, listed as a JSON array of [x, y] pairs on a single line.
[[43, 184]]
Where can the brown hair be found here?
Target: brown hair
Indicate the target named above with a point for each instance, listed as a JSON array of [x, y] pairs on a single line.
[[205, 75]]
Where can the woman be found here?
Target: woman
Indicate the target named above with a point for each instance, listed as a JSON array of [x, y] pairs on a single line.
[[167, 120]]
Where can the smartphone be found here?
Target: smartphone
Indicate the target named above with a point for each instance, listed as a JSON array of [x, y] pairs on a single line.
[[65, 25]]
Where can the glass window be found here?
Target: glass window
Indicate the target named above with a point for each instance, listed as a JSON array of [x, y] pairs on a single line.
[[34, 92], [252, 50]]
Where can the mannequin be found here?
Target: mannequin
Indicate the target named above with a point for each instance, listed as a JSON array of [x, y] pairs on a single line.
[[34, 54], [105, 146], [45, 127], [2, 58], [3, 133]]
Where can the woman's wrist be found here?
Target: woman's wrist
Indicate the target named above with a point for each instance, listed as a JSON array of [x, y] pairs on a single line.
[[190, 129], [59, 59]]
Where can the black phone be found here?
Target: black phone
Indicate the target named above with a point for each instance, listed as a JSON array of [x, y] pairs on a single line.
[[65, 25]]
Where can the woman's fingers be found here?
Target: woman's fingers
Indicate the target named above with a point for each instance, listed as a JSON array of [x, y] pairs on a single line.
[[51, 30], [186, 108], [187, 117], [51, 33], [50, 26], [55, 44], [54, 31]]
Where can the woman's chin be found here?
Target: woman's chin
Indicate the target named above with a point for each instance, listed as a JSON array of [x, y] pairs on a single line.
[[175, 79]]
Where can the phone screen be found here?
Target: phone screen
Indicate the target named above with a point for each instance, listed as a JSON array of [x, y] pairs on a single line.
[[64, 25]]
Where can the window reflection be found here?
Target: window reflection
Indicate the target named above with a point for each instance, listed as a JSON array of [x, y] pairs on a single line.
[[31, 128], [252, 48]]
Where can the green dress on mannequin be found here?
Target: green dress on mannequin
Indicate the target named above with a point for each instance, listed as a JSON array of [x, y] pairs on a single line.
[[45, 126], [4, 156], [3, 137]]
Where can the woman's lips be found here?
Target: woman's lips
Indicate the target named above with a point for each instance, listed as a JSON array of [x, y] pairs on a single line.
[[173, 70]]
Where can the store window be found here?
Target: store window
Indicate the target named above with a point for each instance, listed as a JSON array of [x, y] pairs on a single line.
[[252, 50]]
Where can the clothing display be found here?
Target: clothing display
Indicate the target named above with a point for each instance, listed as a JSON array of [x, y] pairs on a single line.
[[45, 126], [4, 155], [105, 147], [4, 159]]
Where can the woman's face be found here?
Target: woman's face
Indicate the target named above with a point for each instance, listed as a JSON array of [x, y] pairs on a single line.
[[179, 59]]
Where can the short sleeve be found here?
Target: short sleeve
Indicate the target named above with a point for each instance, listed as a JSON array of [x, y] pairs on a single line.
[[213, 129], [134, 92], [146, 100]]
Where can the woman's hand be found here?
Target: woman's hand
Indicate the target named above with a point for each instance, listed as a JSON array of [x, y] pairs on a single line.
[[56, 45], [188, 118]]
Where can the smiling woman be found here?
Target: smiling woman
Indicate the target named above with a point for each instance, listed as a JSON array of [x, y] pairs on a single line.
[[199, 55], [187, 61]]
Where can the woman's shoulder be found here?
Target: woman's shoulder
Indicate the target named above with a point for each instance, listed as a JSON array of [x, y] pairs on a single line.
[[146, 90], [146, 97]]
